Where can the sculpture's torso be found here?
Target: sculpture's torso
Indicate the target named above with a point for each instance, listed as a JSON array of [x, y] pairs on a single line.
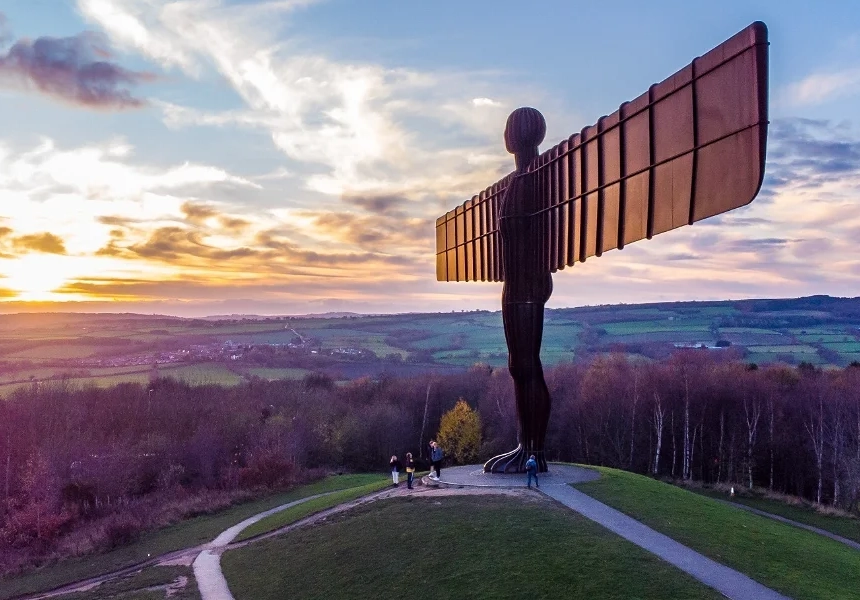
[[524, 268]]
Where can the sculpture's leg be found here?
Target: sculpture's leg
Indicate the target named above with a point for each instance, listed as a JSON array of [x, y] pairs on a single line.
[[523, 331]]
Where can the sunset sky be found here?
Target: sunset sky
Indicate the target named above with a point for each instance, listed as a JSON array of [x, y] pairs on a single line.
[[198, 157]]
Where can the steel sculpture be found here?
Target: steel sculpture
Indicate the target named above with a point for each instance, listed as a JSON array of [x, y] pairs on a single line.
[[691, 147]]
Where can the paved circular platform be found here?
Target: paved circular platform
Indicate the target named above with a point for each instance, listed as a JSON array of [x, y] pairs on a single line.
[[473, 475]]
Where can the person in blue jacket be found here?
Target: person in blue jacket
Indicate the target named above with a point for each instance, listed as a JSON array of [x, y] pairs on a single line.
[[532, 471], [436, 455]]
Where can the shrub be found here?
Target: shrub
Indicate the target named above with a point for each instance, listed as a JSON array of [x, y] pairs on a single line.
[[460, 433]]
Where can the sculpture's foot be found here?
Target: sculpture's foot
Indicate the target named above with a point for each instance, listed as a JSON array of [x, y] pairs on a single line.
[[515, 461]]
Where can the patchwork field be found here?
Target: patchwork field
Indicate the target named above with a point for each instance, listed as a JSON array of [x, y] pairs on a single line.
[[105, 349]]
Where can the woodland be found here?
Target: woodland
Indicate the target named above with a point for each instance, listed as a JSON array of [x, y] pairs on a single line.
[[87, 469]]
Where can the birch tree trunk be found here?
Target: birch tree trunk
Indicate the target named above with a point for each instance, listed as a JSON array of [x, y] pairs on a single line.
[[633, 416], [658, 428], [836, 445], [685, 469], [771, 408], [424, 421], [674, 446], [752, 412], [720, 446], [814, 425]]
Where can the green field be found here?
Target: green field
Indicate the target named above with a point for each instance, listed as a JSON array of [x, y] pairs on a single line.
[[53, 351], [273, 374], [793, 349], [826, 337], [45, 347], [843, 347], [629, 327], [481, 547], [798, 563]]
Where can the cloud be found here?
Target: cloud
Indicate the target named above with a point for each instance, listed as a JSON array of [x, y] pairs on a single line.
[[198, 213], [391, 205], [374, 129], [39, 242], [818, 88], [76, 70]]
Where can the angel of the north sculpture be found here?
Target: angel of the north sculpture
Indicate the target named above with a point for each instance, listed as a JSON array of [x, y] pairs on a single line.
[[691, 147]]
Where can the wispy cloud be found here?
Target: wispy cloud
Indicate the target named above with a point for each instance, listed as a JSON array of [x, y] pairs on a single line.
[[374, 129], [76, 70], [39, 242], [818, 88]]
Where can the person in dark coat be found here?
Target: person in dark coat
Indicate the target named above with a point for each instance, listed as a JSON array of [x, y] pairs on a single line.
[[436, 456], [410, 470]]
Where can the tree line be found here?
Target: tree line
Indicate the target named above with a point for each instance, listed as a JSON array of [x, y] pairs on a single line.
[[86, 469]]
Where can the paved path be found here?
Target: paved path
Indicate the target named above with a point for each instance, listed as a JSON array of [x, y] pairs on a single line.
[[554, 484], [207, 565]]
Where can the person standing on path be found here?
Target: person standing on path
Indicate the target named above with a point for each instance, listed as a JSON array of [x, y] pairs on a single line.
[[395, 470], [436, 455], [532, 471], [410, 470]]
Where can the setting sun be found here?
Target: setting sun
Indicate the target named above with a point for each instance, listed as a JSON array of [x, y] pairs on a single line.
[[35, 276]]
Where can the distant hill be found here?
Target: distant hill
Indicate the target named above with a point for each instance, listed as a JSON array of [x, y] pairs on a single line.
[[325, 315]]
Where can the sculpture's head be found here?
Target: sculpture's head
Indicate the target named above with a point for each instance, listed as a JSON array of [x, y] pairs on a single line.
[[524, 131]]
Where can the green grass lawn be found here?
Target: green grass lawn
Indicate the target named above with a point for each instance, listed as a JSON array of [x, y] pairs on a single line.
[[477, 547], [798, 563], [847, 527], [300, 511], [185, 534]]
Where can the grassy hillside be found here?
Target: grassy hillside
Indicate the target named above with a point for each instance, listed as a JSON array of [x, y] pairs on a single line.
[[801, 564], [184, 534], [454, 547]]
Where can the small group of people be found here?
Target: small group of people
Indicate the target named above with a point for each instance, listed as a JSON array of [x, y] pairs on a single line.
[[410, 470], [436, 455]]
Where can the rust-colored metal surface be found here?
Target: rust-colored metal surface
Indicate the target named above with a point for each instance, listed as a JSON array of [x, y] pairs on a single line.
[[691, 147]]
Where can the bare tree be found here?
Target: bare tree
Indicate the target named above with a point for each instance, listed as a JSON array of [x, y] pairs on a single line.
[[658, 429], [814, 425], [752, 412], [686, 467], [424, 420], [633, 415], [720, 446]]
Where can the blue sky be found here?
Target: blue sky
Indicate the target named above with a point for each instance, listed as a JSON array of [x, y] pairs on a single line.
[[290, 156]]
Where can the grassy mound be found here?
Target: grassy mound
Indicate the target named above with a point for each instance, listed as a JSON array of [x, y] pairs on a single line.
[[798, 563], [454, 547]]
